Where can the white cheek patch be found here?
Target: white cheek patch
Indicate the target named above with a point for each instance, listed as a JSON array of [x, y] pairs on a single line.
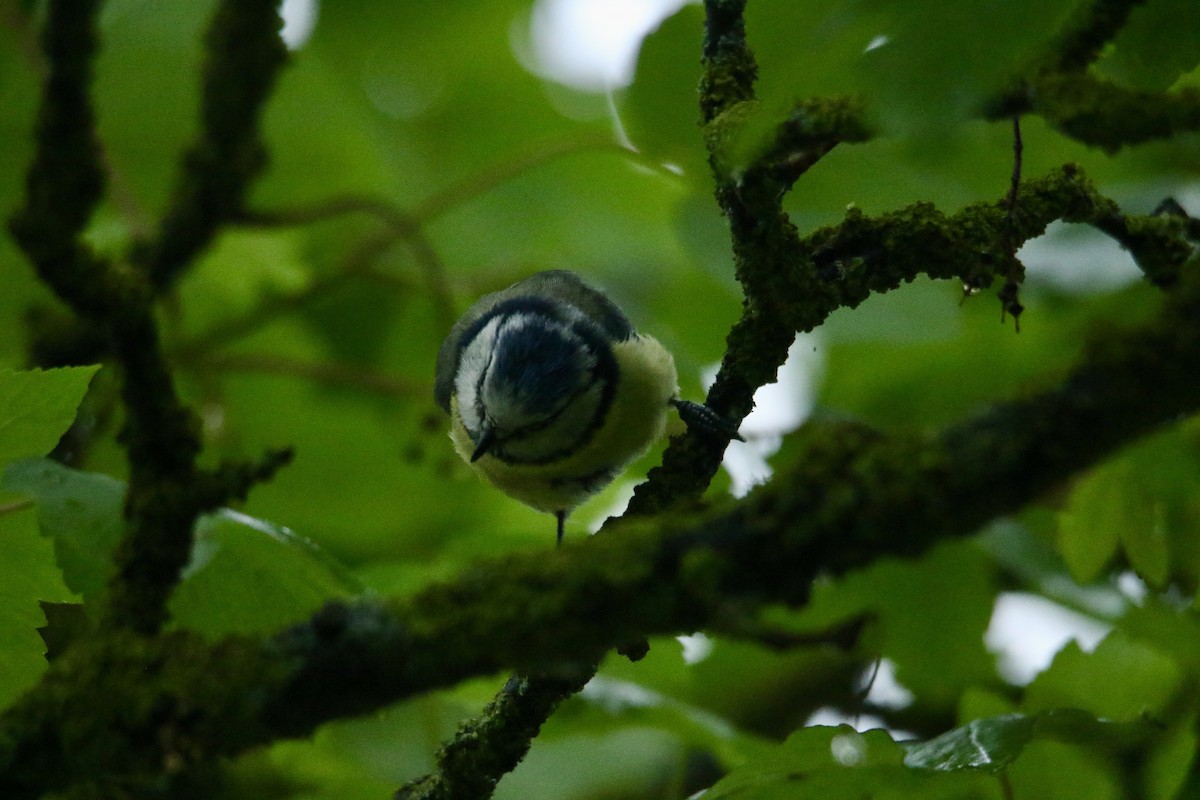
[[473, 361]]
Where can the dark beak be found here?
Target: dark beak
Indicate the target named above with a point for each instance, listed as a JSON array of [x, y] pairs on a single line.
[[487, 438]]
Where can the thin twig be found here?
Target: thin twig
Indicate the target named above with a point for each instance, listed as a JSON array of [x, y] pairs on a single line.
[[244, 54], [15, 506], [332, 373], [1010, 301]]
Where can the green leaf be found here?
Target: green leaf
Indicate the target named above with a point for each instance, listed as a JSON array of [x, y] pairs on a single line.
[[841, 764], [937, 645], [28, 577], [1169, 763], [1168, 629], [37, 407], [986, 744], [247, 575], [1160, 42], [991, 744], [1123, 679], [889, 52], [660, 109], [80, 512], [1146, 501], [610, 704], [1051, 770], [1090, 526]]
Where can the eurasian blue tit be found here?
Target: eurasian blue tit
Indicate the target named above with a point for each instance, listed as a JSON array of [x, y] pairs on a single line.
[[551, 392]]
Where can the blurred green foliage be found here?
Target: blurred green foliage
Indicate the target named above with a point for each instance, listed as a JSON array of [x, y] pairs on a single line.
[[470, 171]]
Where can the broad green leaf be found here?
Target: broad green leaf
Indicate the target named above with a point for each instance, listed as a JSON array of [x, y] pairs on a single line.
[[986, 41], [661, 109], [978, 703], [937, 645], [1050, 770], [917, 382], [897, 53], [1091, 525], [841, 764], [627, 762], [991, 745], [1146, 500], [1123, 679], [37, 407], [247, 575], [28, 576], [1160, 42], [80, 512], [610, 704], [1168, 629], [1167, 768], [984, 744], [1024, 547]]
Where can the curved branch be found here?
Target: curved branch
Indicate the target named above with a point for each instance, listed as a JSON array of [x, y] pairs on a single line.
[[1100, 113], [244, 56], [1085, 34]]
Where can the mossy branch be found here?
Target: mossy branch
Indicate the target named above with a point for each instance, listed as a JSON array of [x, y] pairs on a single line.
[[1059, 87], [244, 54], [490, 746], [1084, 35], [66, 179], [123, 706], [1103, 114]]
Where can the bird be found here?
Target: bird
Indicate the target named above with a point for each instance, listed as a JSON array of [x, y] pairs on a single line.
[[551, 391]]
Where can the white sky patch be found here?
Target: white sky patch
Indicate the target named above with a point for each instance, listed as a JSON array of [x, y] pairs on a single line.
[[592, 45], [1027, 630], [779, 408], [620, 501], [299, 19], [696, 647], [1132, 587], [1078, 259], [885, 690], [832, 717], [876, 43]]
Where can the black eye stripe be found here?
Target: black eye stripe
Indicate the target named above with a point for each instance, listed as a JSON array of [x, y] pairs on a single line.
[[603, 373]]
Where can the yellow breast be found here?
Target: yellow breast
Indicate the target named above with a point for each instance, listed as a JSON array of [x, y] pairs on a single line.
[[636, 419]]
